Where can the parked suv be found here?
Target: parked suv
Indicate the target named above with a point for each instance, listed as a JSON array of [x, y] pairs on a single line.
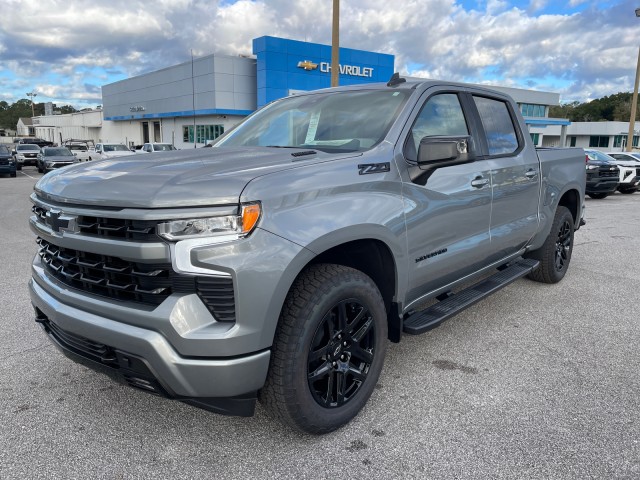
[[603, 175], [111, 150], [37, 141], [80, 150], [26, 154], [629, 164], [156, 147], [55, 157], [7, 162]]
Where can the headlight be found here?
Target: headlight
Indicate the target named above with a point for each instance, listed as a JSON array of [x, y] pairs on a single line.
[[592, 167], [241, 225]]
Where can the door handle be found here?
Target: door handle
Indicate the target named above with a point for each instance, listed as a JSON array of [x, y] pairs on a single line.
[[531, 174], [479, 182]]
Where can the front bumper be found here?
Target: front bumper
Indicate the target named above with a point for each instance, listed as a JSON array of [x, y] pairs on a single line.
[[602, 186], [223, 385]]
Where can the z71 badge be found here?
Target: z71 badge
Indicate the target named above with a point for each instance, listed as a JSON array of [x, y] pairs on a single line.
[[367, 168]]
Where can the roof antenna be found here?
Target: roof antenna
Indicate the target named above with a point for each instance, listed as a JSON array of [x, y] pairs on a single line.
[[395, 80]]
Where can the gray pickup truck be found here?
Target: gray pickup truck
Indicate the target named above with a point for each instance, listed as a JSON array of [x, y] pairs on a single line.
[[277, 265]]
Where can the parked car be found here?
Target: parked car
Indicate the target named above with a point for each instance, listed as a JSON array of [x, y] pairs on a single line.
[[156, 147], [80, 150], [26, 154], [55, 157], [603, 175], [629, 164], [111, 150], [37, 141], [7, 162]]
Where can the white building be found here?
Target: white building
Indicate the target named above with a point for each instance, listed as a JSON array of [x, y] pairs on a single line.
[[603, 136]]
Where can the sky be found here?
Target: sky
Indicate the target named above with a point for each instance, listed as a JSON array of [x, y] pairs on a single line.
[[64, 51]]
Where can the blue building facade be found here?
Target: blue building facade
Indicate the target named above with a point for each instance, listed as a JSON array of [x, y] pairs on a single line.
[[290, 66]]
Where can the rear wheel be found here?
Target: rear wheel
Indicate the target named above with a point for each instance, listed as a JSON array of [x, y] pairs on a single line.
[[598, 196], [555, 253], [328, 351]]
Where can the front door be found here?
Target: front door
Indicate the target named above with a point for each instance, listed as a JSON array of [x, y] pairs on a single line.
[[448, 210]]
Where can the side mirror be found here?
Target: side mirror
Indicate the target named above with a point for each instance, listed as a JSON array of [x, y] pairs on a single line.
[[442, 151]]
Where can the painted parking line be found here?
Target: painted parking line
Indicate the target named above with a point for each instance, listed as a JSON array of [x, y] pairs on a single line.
[[27, 175]]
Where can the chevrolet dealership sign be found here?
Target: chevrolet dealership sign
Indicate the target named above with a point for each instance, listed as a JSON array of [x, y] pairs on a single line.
[[325, 67]]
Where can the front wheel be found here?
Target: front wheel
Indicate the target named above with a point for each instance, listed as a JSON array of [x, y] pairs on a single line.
[[598, 196], [555, 253], [328, 351]]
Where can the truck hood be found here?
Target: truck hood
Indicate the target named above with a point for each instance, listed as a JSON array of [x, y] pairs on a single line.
[[182, 178]]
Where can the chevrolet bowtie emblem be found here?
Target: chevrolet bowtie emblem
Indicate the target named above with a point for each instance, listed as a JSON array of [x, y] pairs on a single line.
[[307, 65], [59, 222]]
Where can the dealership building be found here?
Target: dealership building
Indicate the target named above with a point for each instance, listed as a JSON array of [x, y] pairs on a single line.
[[196, 101]]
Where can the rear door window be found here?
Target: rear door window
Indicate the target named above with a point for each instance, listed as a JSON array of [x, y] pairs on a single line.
[[497, 122]]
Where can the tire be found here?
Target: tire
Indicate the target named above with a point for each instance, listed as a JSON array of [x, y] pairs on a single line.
[[13, 174], [328, 350], [40, 169], [598, 196], [19, 167], [555, 253], [627, 191]]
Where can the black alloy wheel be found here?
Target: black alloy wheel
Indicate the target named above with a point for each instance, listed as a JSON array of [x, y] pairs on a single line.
[[328, 349], [555, 253], [341, 353], [563, 245]]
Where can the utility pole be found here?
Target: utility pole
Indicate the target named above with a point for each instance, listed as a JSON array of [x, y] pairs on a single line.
[[32, 95], [634, 101], [335, 44]]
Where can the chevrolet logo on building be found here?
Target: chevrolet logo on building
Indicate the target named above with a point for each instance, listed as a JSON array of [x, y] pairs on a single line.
[[307, 65]]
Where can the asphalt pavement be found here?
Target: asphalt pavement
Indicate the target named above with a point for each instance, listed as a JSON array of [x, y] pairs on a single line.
[[537, 381]]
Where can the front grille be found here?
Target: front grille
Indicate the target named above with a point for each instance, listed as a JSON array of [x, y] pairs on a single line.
[[606, 172], [4, 161], [107, 276], [116, 228], [146, 283]]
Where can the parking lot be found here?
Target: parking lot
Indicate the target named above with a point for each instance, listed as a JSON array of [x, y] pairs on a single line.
[[537, 381]]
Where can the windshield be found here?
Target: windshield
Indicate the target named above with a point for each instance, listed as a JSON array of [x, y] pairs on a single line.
[[163, 147], [77, 147], [115, 148], [332, 122], [28, 148], [58, 152]]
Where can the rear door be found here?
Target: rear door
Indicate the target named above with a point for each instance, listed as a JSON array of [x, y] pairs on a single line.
[[515, 176]]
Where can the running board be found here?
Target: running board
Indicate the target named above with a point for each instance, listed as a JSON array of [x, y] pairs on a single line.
[[431, 317]]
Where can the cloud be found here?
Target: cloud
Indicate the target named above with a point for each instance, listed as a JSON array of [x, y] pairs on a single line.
[[70, 49]]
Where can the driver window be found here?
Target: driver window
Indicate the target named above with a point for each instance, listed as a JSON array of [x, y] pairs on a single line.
[[441, 115]]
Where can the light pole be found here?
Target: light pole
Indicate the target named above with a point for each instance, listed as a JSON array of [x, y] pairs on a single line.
[[634, 101], [335, 44], [32, 95]]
